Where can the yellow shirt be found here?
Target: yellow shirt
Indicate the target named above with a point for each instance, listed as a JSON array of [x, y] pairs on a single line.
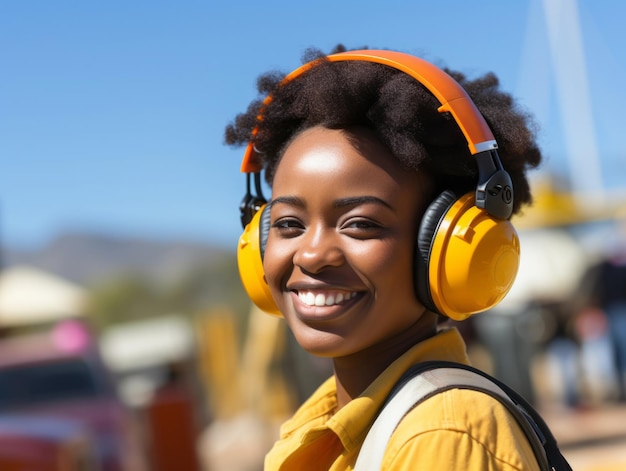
[[454, 430]]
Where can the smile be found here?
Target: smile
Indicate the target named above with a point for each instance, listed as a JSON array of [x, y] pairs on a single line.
[[325, 299]]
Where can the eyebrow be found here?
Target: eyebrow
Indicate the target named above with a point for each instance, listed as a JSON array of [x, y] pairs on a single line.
[[288, 200], [340, 203], [357, 200]]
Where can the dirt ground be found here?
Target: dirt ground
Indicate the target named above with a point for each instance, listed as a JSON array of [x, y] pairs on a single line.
[[592, 439]]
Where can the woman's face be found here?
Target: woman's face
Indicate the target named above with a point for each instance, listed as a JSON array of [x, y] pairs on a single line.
[[339, 254]]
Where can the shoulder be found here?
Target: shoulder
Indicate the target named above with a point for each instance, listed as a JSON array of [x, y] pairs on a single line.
[[460, 427]]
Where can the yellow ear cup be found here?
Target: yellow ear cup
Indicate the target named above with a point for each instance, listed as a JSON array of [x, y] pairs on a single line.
[[473, 261], [250, 261]]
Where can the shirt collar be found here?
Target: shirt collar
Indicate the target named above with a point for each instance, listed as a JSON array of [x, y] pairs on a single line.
[[352, 422]]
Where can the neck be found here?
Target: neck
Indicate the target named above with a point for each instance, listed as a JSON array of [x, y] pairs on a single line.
[[354, 373]]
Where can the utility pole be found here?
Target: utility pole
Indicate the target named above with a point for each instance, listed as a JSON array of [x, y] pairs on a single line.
[[569, 67]]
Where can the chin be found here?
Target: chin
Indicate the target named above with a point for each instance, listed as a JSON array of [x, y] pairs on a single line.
[[321, 344]]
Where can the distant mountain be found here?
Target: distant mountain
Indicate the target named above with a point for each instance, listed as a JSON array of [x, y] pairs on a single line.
[[89, 258]]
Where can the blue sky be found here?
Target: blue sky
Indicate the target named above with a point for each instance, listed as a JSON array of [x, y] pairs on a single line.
[[112, 113]]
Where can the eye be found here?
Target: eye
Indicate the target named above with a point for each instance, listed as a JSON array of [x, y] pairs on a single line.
[[361, 228], [361, 224], [288, 226]]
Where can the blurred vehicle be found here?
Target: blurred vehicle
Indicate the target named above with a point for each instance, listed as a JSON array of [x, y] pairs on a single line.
[[28, 444], [58, 374]]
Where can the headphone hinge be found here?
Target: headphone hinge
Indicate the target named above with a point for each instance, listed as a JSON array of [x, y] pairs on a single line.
[[494, 190], [250, 203]]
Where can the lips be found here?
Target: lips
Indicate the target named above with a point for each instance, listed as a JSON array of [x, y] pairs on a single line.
[[325, 298]]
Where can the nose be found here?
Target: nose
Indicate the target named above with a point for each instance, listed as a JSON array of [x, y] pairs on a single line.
[[318, 249]]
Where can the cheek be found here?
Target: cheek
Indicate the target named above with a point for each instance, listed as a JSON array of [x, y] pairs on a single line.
[[277, 264], [403, 265], [389, 267]]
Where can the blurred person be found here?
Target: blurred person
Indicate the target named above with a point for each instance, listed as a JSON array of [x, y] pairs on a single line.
[[367, 165], [510, 338], [172, 423], [599, 379], [607, 291], [563, 356]]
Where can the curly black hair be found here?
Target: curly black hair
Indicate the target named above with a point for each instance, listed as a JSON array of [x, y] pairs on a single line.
[[399, 110]]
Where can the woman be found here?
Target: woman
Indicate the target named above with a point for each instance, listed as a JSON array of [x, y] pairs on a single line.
[[355, 152]]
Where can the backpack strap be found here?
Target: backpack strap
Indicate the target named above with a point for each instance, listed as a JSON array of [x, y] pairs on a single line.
[[425, 380]]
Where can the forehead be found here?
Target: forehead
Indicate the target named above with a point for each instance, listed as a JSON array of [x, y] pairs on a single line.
[[335, 153], [322, 167]]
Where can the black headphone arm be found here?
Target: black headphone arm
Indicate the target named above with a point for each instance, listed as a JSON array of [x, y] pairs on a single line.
[[250, 203], [494, 190]]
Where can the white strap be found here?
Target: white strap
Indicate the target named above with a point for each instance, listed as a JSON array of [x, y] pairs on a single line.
[[414, 391]]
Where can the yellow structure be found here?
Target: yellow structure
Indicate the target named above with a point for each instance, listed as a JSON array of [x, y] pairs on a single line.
[[553, 207]]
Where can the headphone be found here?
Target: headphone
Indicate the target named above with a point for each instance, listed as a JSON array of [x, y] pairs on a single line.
[[467, 251]]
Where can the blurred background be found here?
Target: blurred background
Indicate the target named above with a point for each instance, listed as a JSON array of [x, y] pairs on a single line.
[[126, 340]]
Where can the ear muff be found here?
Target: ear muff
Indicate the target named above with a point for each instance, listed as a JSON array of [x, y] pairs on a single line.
[[466, 260], [467, 252], [250, 254]]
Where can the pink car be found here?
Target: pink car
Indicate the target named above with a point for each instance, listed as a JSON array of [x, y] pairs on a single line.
[[59, 374], [28, 443]]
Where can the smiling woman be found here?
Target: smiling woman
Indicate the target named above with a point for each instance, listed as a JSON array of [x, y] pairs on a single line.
[[389, 212]]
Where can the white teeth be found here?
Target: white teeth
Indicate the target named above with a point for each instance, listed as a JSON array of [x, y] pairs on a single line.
[[320, 299]]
